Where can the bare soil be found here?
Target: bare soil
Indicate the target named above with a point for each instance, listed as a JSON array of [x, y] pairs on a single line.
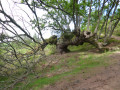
[[100, 78]]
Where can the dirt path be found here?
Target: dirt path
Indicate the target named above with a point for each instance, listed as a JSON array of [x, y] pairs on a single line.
[[102, 78]]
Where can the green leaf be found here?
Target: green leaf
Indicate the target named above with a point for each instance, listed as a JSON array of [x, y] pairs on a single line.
[[22, 1]]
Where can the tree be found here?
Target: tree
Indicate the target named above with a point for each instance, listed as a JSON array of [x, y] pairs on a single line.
[[19, 52], [92, 20], [83, 14]]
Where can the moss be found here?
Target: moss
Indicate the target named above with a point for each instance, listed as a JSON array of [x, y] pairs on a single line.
[[52, 40], [67, 36], [84, 47], [73, 38]]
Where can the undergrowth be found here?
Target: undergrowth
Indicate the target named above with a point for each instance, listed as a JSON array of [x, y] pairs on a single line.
[[68, 66]]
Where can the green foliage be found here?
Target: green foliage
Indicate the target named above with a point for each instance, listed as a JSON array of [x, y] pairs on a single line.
[[0, 51], [118, 34], [23, 50], [50, 49], [117, 30], [52, 40], [63, 11], [2, 37], [22, 1], [67, 35], [84, 47], [3, 78], [34, 3], [117, 14]]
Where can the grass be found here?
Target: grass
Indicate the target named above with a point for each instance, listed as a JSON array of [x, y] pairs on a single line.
[[114, 41], [89, 61], [75, 66], [81, 47], [39, 83], [51, 49]]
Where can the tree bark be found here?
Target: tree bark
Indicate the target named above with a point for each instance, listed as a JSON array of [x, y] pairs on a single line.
[[85, 36]]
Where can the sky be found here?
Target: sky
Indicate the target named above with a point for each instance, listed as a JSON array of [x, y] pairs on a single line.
[[15, 9]]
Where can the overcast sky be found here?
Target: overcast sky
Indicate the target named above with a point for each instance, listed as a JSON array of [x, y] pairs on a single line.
[[16, 10]]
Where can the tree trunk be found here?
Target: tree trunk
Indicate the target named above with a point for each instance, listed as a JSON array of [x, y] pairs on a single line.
[[62, 48], [64, 41], [85, 36]]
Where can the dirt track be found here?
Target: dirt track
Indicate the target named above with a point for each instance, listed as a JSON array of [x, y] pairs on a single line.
[[102, 78]]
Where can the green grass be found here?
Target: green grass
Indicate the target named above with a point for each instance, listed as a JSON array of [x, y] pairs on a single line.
[[71, 61], [75, 66], [51, 49], [39, 83], [84, 47], [112, 40], [89, 61]]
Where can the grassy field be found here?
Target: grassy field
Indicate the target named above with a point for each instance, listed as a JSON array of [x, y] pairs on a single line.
[[80, 58], [66, 67]]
